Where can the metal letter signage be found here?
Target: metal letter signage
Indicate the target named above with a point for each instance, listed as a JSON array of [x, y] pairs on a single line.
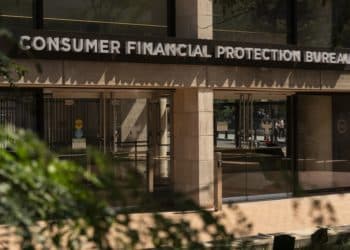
[[176, 51]]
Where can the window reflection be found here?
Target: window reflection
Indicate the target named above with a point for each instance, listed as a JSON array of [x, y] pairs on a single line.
[[247, 122], [107, 16], [342, 23], [250, 21], [314, 23], [14, 14]]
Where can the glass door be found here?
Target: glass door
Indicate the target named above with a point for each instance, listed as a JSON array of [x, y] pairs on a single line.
[[251, 132], [131, 126], [139, 135]]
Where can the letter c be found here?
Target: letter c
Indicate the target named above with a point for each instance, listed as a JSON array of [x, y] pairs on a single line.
[[21, 42]]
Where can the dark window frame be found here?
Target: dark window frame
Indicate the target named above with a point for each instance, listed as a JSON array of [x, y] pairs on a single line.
[[292, 22], [38, 14], [171, 17]]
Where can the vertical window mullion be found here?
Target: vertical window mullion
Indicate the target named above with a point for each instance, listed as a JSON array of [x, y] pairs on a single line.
[[171, 18], [38, 15], [335, 16], [292, 22]]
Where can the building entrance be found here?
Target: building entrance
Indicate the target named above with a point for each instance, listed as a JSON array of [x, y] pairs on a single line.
[[251, 133], [133, 127]]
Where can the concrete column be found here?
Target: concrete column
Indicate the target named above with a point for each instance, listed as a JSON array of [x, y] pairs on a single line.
[[194, 145], [194, 19], [315, 146]]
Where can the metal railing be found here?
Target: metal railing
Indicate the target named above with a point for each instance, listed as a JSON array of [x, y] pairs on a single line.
[[133, 147]]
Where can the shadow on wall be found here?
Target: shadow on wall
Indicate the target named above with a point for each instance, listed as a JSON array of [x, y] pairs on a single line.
[[320, 211], [88, 73], [283, 216], [244, 77], [133, 120], [79, 73]]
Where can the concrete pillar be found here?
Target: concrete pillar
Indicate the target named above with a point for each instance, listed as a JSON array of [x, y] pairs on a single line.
[[194, 19], [315, 146], [194, 145]]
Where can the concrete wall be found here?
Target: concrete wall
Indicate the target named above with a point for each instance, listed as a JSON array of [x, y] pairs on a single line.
[[315, 127], [301, 216], [138, 75]]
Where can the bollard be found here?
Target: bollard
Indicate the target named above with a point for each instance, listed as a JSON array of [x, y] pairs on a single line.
[[283, 242], [150, 171], [319, 239]]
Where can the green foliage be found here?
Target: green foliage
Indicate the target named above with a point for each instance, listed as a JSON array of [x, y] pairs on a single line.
[[9, 70], [53, 202], [36, 186]]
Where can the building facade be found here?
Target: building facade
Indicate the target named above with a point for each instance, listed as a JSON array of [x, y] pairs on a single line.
[[164, 84]]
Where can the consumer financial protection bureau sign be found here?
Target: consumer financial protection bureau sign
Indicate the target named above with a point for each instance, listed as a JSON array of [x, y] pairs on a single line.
[[203, 51]]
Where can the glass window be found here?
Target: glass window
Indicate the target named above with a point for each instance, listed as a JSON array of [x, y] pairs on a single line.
[[141, 17], [19, 109], [250, 20], [342, 23], [314, 23], [323, 141], [16, 13]]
